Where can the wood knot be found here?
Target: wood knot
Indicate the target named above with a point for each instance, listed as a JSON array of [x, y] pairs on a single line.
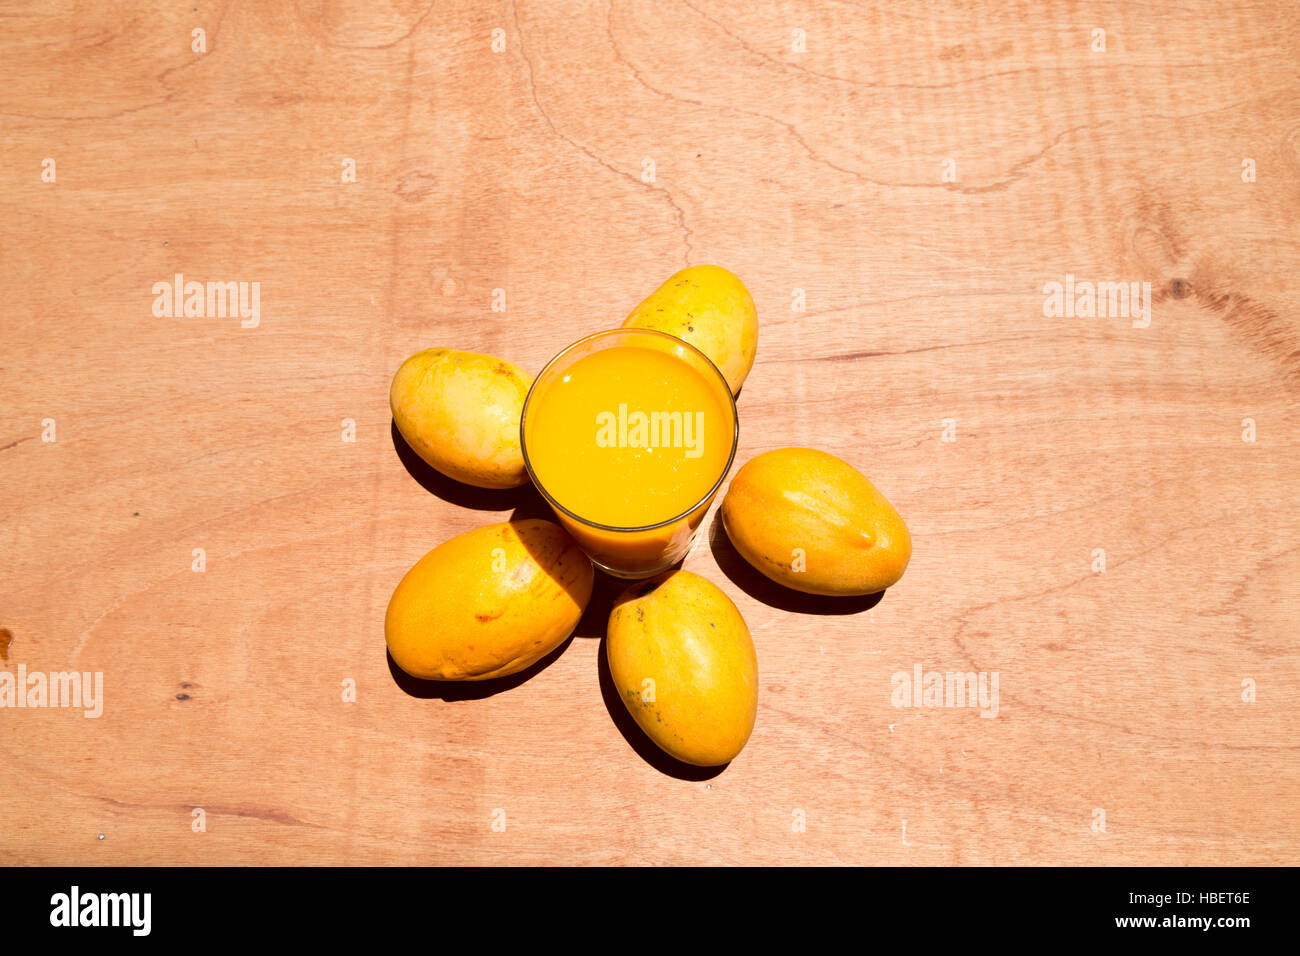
[[1180, 288]]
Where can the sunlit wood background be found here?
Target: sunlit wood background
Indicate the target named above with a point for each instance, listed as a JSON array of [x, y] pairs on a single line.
[[1104, 510]]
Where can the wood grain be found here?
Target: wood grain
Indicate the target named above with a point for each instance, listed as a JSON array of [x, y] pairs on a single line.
[[525, 171]]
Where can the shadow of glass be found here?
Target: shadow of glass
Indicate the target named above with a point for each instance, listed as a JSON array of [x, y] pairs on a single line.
[[595, 620], [761, 588], [458, 493], [532, 506], [605, 588], [636, 738]]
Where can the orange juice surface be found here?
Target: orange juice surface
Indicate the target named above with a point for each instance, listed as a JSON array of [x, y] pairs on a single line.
[[630, 436]]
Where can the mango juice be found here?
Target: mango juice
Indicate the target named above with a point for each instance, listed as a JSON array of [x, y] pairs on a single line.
[[629, 442]]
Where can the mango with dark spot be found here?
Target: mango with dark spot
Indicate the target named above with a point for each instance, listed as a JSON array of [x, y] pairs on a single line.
[[684, 665], [489, 602], [459, 411], [709, 308], [814, 523]]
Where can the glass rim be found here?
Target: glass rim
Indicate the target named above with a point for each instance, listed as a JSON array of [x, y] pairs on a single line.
[[735, 431]]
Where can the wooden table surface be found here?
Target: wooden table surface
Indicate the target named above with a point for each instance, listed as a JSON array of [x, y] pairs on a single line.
[[1103, 506]]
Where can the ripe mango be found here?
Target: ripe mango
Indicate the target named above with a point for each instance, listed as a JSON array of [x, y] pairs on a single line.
[[709, 308], [683, 662], [814, 523], [489, 602], [459, 411]]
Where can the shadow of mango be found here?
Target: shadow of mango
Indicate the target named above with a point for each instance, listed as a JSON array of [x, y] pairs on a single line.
[[762, 588], [458, 493], [636, 738], [456, 690]]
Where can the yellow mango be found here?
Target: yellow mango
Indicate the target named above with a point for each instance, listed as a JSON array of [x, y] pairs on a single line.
[[709, 308], [683, 662], [489, 602], [814, 523], [459, 411]]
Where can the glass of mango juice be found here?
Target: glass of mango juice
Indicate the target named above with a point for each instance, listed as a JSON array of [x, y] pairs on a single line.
[[629, 434]]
